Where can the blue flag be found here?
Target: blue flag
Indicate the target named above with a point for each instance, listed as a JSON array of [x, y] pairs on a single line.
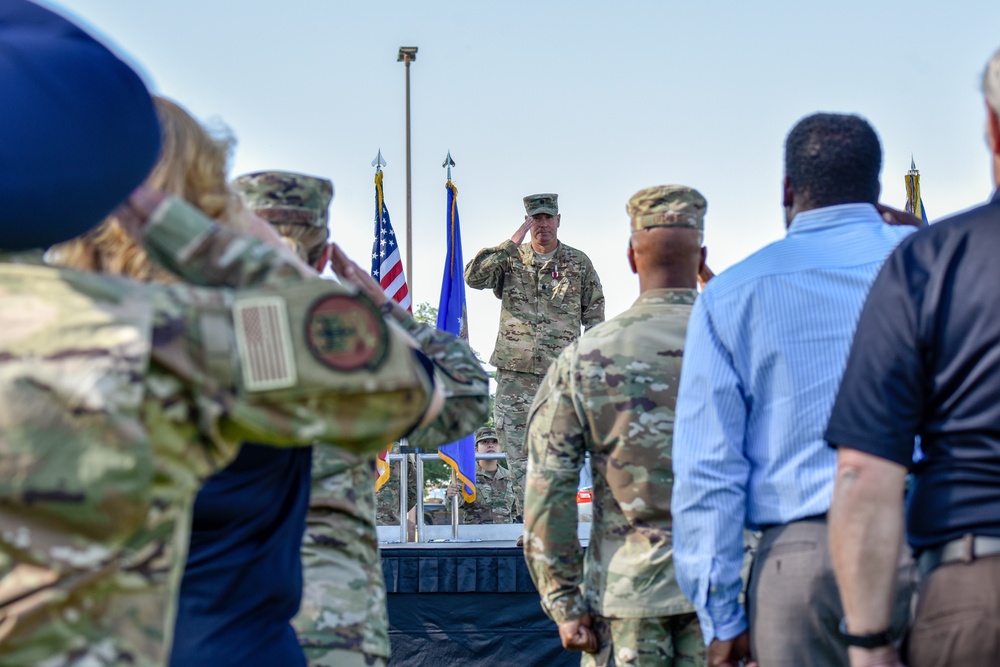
[[460, 455]]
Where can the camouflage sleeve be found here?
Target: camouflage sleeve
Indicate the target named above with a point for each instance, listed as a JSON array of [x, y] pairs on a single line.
[[309, 362], [487, 269], [465, 383], [592, 299], [556, 448], [180, 238]]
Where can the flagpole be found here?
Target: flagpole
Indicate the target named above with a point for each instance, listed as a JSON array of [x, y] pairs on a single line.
[[408, 54]]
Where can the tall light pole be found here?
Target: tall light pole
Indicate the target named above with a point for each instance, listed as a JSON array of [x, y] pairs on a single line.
[[408, 54]]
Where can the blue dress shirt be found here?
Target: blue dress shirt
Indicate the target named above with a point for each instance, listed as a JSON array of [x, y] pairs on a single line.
[[766, 346]]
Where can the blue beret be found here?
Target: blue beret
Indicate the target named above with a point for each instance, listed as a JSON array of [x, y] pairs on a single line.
[[78, 130]]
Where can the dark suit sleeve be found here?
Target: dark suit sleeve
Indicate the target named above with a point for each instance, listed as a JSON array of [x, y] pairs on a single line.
[[78, 130]]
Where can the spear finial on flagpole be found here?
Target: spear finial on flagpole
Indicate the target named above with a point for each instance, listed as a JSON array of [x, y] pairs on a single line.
[[378, 162], [449, 163], [913, 165]]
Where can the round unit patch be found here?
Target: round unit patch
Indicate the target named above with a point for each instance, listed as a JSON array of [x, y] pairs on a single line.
[[346, 333]]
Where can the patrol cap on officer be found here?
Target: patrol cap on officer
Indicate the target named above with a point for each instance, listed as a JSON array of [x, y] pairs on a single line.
[[486, 433], [667, 206], [285, 197], [542, 203]]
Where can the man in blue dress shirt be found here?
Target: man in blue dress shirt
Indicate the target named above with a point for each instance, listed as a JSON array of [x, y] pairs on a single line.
[[765, 350]]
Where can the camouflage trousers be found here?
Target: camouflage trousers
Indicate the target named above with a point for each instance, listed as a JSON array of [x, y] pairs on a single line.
[[669, 641], [515, 392]]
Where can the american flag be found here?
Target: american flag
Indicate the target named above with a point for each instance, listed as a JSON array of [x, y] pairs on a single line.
[[387, 264]]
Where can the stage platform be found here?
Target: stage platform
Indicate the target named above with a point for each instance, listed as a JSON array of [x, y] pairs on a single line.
[[467, 603]]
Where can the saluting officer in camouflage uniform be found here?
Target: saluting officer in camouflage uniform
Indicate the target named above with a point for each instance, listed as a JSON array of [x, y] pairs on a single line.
[[494, 501], [342, 620], [612, 394], [547, 291]]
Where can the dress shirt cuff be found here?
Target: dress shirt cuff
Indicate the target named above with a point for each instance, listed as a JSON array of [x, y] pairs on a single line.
[[724, 622]]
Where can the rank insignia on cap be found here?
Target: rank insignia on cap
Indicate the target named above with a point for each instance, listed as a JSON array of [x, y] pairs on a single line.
[[346, 333]]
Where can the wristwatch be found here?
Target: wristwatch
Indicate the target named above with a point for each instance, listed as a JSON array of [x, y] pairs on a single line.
[[871, 640]]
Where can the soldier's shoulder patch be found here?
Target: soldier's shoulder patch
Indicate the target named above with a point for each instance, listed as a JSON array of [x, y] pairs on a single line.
[[264, 342], [346, 333]]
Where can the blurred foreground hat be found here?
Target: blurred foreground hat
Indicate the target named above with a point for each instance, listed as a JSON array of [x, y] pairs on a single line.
[[543, 203], [486, 433], [78, 131], [284, 197], [667, 206]]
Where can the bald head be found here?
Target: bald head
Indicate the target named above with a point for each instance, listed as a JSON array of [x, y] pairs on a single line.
[[666, 257]]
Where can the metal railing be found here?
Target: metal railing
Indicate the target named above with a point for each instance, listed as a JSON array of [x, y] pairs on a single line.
[[404, 470]]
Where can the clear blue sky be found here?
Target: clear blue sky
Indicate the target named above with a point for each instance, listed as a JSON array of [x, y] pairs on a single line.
[[592, 100]]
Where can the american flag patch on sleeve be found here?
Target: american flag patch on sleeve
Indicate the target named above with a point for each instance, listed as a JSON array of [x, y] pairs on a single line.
[[265, 343]]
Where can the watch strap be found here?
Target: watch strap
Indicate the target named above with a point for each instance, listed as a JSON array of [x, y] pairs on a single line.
[[870, 640]]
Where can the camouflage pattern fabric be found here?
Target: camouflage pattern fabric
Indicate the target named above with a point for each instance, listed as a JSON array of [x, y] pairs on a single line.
[[284, 197], [494, 498], [667, 206], [543, 203], [543, 304], [669, 641], [611, 394], [514, 395], [460, 375], [116, 398], [343, 597], [343, 618]]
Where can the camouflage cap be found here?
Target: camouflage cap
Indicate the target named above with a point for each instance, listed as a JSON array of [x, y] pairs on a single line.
[[543, 203], [284, 197], [667, 206], [486, 433]]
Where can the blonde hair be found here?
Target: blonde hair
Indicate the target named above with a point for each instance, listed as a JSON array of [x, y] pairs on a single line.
[[193, 164], [306, 241]]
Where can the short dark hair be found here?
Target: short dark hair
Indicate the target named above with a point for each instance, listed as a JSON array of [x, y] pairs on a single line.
[[834, 159]]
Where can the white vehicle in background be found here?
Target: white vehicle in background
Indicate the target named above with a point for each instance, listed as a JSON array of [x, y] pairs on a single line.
[[585, 494]]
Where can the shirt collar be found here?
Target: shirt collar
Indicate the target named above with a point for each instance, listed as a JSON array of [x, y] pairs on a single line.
[[819, 219], [667, 296]]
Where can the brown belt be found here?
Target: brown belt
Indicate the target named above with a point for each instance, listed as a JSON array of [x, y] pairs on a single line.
[[965, 549]]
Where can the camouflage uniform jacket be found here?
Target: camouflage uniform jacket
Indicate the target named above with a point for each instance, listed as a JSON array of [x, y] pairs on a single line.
[[343, 605], [117, 397], [543, 304], [611, 394], [494, 498]]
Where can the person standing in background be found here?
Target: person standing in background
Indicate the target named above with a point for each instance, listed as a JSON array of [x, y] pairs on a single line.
[[548, 290]]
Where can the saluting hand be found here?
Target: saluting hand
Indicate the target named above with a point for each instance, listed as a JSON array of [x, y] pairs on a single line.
[[135, 211], [348, 269], [704, 275], [894, 216], [522, 231]]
